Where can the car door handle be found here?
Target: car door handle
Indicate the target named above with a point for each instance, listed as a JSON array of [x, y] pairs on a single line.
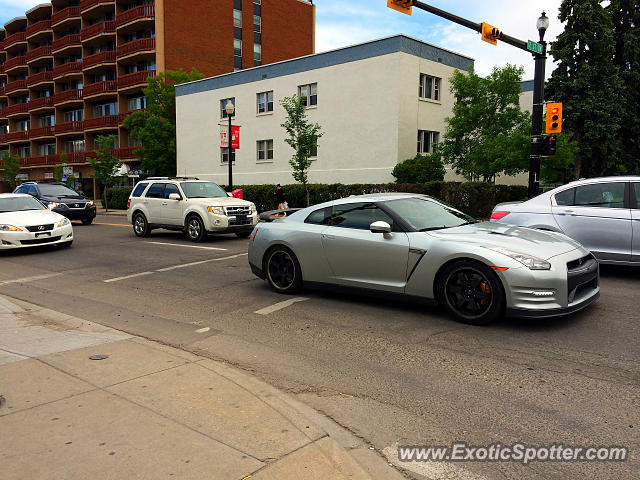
[[567, 212], [328, 237], [165, 203]]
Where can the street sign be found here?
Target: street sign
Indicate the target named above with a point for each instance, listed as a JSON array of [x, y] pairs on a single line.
[[67, 170], [64, 177], [534, 47]]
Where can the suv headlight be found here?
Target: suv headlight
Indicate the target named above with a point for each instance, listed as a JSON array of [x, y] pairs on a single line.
[[53, 204], [10, 228], [91, 203], [63, 222], [216, 210], [529, 261]]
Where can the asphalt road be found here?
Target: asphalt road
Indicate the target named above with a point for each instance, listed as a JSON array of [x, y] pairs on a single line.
[[391, 373]]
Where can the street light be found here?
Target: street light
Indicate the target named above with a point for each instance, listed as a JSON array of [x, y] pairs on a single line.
[[542, 24], [230, 109]]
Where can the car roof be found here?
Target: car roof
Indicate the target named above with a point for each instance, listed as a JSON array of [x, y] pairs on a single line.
[[14, 195], [377, 197]]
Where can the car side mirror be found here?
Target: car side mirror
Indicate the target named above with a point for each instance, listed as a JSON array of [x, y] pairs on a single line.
[[175, 196], [380, 227]]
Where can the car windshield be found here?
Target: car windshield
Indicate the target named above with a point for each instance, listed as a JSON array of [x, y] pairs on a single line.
[[424, 214], [19, 204], [202, 190], [56, 190]]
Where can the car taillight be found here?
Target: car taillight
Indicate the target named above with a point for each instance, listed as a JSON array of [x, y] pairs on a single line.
[[128, 204], [499, 215]]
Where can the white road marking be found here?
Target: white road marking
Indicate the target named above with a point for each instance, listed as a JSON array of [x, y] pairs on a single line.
[[280, 306], [184, 265], [203, 330], [117, 279], [188, 246], [30, 279]]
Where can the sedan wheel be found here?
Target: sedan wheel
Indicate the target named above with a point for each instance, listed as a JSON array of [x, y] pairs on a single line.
[[283, 270], [472, 292]]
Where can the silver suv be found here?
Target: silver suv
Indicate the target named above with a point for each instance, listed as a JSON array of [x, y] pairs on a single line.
[[194, 206]]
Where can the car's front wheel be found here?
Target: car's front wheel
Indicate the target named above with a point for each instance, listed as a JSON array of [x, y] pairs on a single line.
[[283, 270], [140, 225], [195, 229], [472, 292]]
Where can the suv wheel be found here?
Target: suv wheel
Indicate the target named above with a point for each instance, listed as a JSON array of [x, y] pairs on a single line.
[[140, 225], [195, 229]]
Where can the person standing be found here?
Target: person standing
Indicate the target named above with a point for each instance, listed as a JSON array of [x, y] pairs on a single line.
[[280, 197]]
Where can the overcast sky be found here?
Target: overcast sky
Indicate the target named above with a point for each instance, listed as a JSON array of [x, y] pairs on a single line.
[[340, 23]]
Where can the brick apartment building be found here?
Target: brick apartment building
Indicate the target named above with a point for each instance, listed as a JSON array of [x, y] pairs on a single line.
[[72, 70]]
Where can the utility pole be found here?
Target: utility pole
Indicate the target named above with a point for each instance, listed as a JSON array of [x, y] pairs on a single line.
[[491, 35]]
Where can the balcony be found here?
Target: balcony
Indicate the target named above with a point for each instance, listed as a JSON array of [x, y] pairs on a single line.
[[135, 79], [72, 40], [40, 103], [65, 14], [79, 157], [137, 46], [126, 152], [17, 109], [3, 113], [3, 139], [106, 121], [88, 4], [21, 136], [66, 68], [41, 77], [70, 127], [142, 12], [13, 39], [15, 86], [98, 29], [41, 132], [38, 27], [2, 93], [68, 96], [110, 86], [15, 62], [40, 160], [100, 58], [37, 53]]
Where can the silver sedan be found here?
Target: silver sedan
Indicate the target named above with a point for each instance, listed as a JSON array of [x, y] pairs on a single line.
[[602, 214], [416, 247]]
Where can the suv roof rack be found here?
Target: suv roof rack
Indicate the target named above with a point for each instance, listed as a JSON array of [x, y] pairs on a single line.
[[172, 178]]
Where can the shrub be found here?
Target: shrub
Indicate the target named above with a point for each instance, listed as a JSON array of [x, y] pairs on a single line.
[[420, 169], [117, 197]]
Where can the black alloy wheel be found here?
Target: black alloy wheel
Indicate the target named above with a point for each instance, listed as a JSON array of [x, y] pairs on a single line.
[[283, 271]]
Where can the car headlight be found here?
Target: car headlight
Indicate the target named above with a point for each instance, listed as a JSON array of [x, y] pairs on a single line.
[[529, 261], [216, 210], [63, 222], [53, 204], [91, 203], [253, 208], [10, 228]]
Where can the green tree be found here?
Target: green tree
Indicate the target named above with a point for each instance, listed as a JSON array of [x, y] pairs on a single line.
[[420, 169], [106, 164], [559, 168], [488, 134], [302, 136], [155, 127], [586, 81], [11, 167]]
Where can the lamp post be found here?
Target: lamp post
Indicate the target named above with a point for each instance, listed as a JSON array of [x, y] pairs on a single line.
[[536, 115], [230, 109]]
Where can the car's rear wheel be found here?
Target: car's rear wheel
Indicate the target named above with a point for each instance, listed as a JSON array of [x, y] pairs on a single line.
[[195, 229], [472, 292], [140, 225], [283, 270]]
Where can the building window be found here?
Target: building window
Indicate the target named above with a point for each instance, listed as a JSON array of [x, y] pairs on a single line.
[[74, 115], [257, 2], [223, 103], [257, 52], [137, 103], [105, 109], [265, 102], [24, 152], [313, 152], [429, 87], [257, 23], [237, 18], [71, 146], [308, 94], [48, 148], [224, 155], [46, 120], [427, 141], [264, 150], [237, 47]]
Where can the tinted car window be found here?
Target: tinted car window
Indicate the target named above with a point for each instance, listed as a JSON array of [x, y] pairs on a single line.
[[32, 190], [169, 189], [57, 190], [137, 192], [319, 217], [155, 191], [566, 198], [637, 188], [358, 215], [21, 189], [604, 195]]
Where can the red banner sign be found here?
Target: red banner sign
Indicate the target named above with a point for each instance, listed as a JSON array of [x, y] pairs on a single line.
[[235, 137]]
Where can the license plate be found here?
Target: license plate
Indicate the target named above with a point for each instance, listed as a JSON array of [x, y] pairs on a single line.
[[43, 234], [241, 218]]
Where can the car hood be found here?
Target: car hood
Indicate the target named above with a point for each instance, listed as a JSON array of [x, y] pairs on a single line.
[[65, 198], [29, 218], [221, 201], [517, 239]]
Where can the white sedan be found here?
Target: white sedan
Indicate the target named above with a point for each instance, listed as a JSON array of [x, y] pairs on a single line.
[[25, 222]]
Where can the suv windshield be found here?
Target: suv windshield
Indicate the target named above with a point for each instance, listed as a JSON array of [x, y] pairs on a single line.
[[19, 204], [202, 190], [56, 190], [424, 214]]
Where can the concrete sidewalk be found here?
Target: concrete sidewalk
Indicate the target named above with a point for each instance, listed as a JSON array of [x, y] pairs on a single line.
[[116, 213], [150, 411]]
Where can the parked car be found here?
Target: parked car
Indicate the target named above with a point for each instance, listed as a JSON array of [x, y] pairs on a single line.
[[26, 222], [193, 206], [417, 247], [61, 199], [602, 214]]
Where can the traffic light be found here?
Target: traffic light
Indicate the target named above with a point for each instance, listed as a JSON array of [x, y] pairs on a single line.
[[490, 34], [554, 117], [403, 6], [549, 145]]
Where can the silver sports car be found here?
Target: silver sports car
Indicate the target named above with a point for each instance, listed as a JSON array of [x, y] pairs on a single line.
[[420, 248], [600, 213]]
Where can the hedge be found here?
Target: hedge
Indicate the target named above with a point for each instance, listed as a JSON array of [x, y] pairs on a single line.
[[474, 198]]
